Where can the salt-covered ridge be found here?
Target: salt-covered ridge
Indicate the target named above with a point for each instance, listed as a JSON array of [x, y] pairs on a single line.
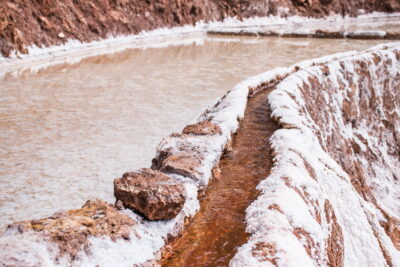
[[38, 247], [386, 28], [362, 34], [333, 195]]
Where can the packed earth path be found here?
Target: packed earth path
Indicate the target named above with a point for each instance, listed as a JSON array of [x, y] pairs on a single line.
[[218, 229]]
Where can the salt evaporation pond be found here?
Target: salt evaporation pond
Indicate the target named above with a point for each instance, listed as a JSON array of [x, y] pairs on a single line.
[[68, 131]]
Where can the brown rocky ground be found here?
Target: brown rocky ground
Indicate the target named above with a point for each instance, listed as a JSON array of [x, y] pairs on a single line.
[[50, 22]]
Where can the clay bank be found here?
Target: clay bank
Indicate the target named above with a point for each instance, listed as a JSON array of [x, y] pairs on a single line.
[[49, 22]]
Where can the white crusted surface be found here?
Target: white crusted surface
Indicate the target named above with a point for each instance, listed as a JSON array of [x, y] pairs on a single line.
[[293, 197], [29, 249]]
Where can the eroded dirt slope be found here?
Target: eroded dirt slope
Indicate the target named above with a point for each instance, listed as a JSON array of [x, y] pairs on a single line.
[[50, 22]]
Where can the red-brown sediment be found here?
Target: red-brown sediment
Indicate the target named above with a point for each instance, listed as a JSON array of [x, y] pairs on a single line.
[[334, 244], [265, 252]]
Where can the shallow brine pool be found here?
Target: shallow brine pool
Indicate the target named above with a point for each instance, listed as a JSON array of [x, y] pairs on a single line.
[[68, 131]]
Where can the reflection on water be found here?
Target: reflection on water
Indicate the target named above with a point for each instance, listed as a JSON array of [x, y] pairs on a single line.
[[68, 131]]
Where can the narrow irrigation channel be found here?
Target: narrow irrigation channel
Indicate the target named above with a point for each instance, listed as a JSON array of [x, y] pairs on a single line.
[[218, 229]]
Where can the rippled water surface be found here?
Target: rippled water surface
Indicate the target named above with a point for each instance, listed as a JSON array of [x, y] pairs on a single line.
[[67, 131]]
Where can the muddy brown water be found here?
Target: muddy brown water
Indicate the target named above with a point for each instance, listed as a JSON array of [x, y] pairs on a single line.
[[218, 229]]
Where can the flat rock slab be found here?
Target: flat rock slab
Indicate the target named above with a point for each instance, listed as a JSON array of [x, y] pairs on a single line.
[[185, 164], [150, 193], [183, 154], [202, 128], [72, 229]]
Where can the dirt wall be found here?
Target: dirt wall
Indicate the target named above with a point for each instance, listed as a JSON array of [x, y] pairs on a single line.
[[51, 22]]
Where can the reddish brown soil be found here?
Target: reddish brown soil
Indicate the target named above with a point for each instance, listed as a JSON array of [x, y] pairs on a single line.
[[219, 228], [334, 246], [50, 22]]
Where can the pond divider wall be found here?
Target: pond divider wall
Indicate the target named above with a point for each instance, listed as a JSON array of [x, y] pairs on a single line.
[[359, 35]]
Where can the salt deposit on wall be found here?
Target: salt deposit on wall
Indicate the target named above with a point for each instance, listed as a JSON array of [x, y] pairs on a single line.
[[333, 195]]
